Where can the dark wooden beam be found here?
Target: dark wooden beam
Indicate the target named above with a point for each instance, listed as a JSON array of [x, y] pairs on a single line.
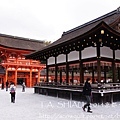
[[67, 69], [56, 69], [98, 63], [113, 67], [81, 68], [47, 71]]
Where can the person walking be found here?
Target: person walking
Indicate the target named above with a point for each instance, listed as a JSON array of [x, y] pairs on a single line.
[[2, 87], [7, 85], [87, 93], [23, 87], [12, 92]]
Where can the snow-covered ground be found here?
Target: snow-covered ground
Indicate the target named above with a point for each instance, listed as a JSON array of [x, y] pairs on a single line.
[[30, 106]]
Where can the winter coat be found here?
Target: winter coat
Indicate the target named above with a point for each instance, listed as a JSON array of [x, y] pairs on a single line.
[[87, 89], [23, 84], [7, 84], [12, 86]]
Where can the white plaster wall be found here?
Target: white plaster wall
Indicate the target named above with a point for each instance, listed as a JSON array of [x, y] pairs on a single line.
[[106, 52], [74, 55], [89, 52], [86, 53], [117, 54], [51, 60], [61, 58]]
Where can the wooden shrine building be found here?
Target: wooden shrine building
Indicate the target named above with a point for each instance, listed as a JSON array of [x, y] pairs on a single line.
[[91, 49], [13, 65]]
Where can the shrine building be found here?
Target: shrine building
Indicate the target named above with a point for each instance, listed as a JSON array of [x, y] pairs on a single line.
[[14, 67], [89, 50]]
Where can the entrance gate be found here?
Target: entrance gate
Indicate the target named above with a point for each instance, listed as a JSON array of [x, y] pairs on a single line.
[[20, 81]]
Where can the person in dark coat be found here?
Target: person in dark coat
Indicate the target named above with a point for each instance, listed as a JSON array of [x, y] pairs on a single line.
[[2, 87], [87, 93], [7, 85], [12, 92], [23, 87]]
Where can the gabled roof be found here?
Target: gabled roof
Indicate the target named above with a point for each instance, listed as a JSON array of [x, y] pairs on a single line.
[[20, 43], [108, 19]]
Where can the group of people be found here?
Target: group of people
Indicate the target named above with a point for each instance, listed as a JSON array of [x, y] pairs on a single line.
[[12, 89], [86, 92], [7, 84]]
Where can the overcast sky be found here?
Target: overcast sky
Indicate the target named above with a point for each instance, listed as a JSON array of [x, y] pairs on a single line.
[[48, 19]]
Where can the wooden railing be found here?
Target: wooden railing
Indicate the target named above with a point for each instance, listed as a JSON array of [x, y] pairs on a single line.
[[99, 86]]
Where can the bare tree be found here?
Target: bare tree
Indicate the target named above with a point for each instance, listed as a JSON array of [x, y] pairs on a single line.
[[47, 43]]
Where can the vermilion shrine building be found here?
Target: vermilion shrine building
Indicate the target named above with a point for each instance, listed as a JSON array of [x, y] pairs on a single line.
[[14, 67], [92, 48]]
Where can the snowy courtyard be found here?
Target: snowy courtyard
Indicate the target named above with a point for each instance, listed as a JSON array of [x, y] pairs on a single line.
[[30, 106]]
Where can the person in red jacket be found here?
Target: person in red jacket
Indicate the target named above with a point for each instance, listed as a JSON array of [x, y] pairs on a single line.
[[87, 93]]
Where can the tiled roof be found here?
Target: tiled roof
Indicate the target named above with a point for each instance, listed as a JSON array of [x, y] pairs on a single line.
[[20, 43], [108, 18]]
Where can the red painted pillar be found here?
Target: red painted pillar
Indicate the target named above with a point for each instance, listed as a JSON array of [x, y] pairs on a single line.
[[30, 82]]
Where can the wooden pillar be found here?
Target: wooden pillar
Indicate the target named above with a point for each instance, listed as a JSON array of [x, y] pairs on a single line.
[[47, 72], [81, 68], [30, 83], [15, 76], [119, 74], [98, 70], [98, 63], [67, 70], [72, 76], [38, 80], [16, 70], [16, 59], [93, 79], [56, 69], [105, 75], [113, 67], [6, 74], [60, 76]]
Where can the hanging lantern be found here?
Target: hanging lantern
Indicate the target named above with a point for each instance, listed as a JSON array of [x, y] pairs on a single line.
[[102, 32]]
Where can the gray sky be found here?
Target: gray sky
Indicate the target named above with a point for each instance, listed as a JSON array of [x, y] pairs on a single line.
[[48, 19]]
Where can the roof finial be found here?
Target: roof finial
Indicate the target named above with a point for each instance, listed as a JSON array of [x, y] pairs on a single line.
[[118, 9], [63, 33]]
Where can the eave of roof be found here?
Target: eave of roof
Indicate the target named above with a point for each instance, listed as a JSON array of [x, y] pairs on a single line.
[[98, 28], [20, 42], [75, 32]]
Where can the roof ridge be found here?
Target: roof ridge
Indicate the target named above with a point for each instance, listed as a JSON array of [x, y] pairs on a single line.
[[92, 21], [20, 38]]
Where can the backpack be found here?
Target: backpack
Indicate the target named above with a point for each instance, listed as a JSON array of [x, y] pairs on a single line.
[[12, 90]]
